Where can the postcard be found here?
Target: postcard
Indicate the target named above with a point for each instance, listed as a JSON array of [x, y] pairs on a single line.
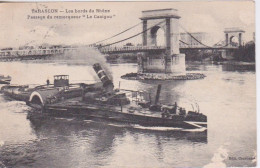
[[128, 84]]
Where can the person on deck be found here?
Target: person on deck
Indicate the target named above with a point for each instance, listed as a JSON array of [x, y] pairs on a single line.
[[48, 82]]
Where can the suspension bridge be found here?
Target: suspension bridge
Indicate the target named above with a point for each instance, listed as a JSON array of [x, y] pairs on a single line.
[[154, 57]]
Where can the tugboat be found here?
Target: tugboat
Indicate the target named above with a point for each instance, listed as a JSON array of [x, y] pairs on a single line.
[[102, 101], [5, 80]]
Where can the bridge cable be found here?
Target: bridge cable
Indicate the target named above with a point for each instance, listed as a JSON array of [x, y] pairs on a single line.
[[132, 36], [117, 34], [194, 37], [200, 41], [209, 47], [184, 42]]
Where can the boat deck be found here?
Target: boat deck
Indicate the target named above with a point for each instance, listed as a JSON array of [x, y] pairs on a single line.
[[132, 108]]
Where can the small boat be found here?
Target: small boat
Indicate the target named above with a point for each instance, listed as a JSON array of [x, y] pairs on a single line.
[[5, 80], [16, 92]]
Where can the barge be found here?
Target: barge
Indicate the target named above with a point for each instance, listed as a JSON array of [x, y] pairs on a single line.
[[102, 101]]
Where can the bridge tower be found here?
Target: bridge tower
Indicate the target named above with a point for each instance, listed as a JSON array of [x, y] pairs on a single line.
[[231, 34], [170, 60]]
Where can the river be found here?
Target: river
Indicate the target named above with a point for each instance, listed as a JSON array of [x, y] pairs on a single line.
[[227, 96]]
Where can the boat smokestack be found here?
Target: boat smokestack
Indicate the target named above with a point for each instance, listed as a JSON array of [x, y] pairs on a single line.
[[158, 94], [107, 83]]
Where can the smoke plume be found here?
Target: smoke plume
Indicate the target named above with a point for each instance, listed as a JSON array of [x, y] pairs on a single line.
[[85, 56]]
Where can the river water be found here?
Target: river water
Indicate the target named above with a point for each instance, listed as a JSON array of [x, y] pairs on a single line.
[[227, 96]]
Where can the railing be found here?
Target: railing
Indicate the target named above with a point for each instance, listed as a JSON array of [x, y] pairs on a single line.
[[204, 47], [31, 52], [130, 48]]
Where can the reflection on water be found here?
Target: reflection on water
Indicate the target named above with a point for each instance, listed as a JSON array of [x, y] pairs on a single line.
[[224, 66], [227, 97], [74, 125], [238, 67]]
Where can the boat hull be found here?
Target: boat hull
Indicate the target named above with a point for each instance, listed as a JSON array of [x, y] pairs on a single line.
[[5, 81], [87, 112]]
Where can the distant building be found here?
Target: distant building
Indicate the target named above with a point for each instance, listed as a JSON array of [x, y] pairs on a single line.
[[26, 47], [194, 39]]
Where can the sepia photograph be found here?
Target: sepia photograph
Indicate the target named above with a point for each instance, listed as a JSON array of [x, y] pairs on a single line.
[[149, 84]]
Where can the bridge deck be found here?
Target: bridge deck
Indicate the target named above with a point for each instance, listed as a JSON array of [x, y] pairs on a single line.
[[6, 54], [129, 49]]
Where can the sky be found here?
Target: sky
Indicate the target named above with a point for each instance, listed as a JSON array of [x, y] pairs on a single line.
[[196, 16]]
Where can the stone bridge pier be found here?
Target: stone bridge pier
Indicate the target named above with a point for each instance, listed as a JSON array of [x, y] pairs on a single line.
[[170, 61]]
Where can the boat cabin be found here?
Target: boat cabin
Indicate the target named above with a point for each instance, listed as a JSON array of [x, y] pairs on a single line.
[[61, 80]]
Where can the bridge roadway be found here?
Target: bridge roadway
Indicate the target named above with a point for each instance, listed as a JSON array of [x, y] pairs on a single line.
[[38, 53], [209, 48], [30, 53], [129, 49]]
